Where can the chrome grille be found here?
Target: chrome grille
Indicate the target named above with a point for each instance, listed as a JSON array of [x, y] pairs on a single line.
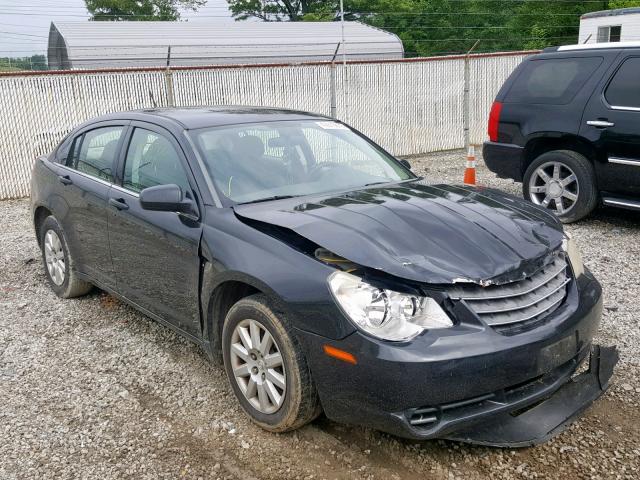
[[523, 302]]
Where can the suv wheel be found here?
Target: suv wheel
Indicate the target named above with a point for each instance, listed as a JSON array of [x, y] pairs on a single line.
[[266, 367], [564, 182], [58, 262]]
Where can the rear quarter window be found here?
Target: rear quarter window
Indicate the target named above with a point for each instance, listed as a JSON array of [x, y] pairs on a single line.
[[624, 89], [554, 81]]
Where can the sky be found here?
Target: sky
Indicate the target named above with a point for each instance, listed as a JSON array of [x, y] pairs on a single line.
[[24, 25]]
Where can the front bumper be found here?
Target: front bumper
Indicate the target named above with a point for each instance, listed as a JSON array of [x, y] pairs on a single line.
[[470, 383], [503, 159], [551, 415]]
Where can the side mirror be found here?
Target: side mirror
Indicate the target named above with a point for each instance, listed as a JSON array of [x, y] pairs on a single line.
[[165, 198], [405, 164]]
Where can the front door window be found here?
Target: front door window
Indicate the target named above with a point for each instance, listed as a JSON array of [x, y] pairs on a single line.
[[152, 160]]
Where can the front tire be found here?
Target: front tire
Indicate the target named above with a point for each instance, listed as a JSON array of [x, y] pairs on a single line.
[[58, 262], [266, 367], [564, 182]]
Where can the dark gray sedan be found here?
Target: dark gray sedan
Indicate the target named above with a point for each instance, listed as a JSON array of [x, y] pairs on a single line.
[[325, 274]]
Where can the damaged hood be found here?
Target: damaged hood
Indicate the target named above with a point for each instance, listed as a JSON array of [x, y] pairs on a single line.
[[420, 232]]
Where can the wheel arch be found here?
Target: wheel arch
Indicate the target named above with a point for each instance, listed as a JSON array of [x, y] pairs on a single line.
[[540, 145], [40, 213], [220, 292]]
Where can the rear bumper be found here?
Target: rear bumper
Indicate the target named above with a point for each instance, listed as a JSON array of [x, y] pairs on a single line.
[[465, 386], [503, 159]]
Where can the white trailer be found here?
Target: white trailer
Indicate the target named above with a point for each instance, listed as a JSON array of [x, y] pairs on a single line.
[[621, 25]]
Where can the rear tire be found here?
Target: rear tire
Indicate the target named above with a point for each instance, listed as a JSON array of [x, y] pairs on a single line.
[[288, 399], [58, 261], [564, 182]]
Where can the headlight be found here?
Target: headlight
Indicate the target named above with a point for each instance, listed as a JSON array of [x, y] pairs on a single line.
[[571, 249], [384, 313]]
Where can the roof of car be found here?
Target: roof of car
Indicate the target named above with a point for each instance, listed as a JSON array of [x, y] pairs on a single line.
[[593, 46], [202, 117]]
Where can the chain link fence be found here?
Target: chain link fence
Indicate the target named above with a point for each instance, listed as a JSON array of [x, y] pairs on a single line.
[[409, 107]]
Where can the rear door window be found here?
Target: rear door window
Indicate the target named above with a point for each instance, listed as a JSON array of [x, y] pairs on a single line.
[[94, 152], [552, 80], [624, 88]]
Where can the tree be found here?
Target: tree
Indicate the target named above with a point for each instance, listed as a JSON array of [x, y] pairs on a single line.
[[139, 9], [34, 62], [623, 3], [283, 10], [537, 25], [431, 27]]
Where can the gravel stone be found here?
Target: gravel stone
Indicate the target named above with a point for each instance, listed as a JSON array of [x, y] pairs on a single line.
[[91, 389]]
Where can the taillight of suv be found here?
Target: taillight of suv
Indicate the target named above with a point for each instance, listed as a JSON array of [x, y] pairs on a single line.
[[494, 121]]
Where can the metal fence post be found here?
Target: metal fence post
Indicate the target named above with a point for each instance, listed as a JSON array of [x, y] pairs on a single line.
[[168, 81], [466, 107], [332, 85], [345, 72]]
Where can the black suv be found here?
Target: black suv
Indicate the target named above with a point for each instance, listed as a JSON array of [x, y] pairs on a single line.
[[566, 124]]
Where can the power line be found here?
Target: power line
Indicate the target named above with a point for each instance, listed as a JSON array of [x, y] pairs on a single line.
[[412, 14], [23, 26], [24, 34]]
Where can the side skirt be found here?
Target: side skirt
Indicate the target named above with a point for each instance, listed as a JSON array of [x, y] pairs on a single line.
[[157, 318]]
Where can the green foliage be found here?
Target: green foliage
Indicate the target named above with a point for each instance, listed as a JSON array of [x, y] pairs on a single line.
[[139, 9], [34, 62], [430, 27], [624, 3], [284, 10]]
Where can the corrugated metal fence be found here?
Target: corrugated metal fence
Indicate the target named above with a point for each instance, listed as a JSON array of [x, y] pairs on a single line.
[[409, 107]]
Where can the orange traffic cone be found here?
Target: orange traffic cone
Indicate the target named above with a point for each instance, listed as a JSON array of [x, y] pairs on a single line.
[[470, 171]]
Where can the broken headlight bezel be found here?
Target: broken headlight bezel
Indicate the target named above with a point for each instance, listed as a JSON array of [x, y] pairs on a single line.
[[385, 314], [570, 247]]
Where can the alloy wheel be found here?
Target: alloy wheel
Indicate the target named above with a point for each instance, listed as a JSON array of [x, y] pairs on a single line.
[[555, 186], [54, 257], [258, 366]]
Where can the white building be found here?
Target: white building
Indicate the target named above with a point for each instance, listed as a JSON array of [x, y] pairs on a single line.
[[89, 45], [621, 25]]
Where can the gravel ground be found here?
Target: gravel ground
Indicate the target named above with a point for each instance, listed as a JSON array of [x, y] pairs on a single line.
[[89, 388]]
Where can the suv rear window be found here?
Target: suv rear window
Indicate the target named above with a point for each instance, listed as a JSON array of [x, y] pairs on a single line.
[[624, 89], [552, 80]]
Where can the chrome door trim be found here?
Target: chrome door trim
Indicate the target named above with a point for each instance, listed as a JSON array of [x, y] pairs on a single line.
[[624, 161], [124, 190], [627, 109], [85, 175], [622, 203]]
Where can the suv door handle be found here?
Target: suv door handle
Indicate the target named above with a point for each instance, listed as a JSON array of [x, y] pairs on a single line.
[[118, 203], [65, 179], [600, 123]]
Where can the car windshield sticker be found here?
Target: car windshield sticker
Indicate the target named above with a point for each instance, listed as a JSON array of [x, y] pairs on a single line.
[[332, 126]]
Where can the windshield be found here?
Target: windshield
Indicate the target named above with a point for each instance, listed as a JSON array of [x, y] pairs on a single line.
[[253, 162]]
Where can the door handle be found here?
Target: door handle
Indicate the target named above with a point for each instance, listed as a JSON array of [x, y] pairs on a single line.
[[118, 203], [600, 123], [65, 179]]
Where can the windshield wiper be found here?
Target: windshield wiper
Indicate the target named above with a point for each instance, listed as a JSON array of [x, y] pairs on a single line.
[[268, 199]]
